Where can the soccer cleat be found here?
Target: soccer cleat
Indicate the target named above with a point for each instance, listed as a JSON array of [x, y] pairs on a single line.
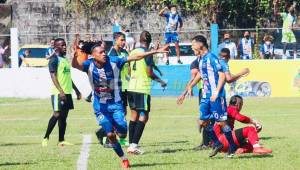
[[123, 142], [216, 149], [179, 62], [45, 142], [135, 151], [64, 143], [125, 163], [261, 151], [88, 99], [230, 155], [201, 147]]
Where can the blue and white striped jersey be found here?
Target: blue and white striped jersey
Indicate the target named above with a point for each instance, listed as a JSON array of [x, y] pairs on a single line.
[[209, 66], [105, 82]]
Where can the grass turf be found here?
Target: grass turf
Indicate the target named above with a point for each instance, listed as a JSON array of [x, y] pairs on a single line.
[[168, 138]]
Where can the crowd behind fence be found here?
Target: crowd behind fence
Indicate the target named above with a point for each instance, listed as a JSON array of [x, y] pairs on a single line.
[[258, 36]]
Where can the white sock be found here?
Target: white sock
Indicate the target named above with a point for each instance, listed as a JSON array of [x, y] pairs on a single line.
[[134, 145], [295, 55], [256, 145], [123, 157]]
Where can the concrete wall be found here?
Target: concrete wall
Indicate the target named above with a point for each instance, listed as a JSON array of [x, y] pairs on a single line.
[[49, 16]]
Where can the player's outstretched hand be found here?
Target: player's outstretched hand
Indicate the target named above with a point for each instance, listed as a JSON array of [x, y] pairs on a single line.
[[214, 96], [180, 99], [163, 85], [163, 50], [245, 72]]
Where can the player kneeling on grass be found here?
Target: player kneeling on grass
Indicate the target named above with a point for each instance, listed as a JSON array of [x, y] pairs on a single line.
[[245, 138], [104, 76]]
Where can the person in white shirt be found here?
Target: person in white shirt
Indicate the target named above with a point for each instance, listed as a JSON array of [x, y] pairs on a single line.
[[227, 43]]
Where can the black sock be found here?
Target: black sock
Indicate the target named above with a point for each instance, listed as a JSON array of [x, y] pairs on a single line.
[[132, 126], [138, 132], [51, 126], [205, 137], [62, 124]]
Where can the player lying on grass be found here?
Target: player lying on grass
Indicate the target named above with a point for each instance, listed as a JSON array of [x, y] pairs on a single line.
[[245, 138], [104, 76]]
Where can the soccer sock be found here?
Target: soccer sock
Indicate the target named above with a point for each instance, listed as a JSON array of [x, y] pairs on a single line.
[[118, 149], [213, 137], [62, 124], [51, 125], [205, 137], [132, 126], [138, 132], [228, 135]]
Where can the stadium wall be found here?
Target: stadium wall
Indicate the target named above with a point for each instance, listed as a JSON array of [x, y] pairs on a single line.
[[272, 78]]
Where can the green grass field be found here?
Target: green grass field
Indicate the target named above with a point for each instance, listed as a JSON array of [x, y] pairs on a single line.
[[168, 138]]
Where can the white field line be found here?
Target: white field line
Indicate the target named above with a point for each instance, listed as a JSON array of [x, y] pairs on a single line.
[[82, 161]]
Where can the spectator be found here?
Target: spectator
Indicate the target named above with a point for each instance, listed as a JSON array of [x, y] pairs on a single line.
[[266, 50], [130, 42], [50, 51], [116, 25], [289, 22], [23, 56], [230, 45], [246, 47], [2, 52], [174, 22]]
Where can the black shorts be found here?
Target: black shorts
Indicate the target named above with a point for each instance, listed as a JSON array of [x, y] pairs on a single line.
[[139, 101], [239, 135], [124, 97], [58, 104]]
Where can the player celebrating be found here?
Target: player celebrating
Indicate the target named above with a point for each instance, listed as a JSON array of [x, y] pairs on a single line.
[[173, 22], [245, 138], [139, 93], [213, 105], [104, 76], [289, 22], [61, 97]]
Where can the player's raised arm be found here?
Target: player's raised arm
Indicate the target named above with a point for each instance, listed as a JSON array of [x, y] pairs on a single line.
[[161, 12], [76, 63], [231, 78], [142, 55]]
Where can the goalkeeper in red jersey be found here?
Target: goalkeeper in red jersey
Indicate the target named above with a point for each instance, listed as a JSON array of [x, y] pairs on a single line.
[[245, 138]]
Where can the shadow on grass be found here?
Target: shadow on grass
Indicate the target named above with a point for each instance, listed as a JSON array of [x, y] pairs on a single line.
[[152, 164], [270, 138], [246, 156], [166, 143], [15, 163], [18, 144]]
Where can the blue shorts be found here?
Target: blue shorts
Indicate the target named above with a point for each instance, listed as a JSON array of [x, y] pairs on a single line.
[[171, 37], [111, 116], [213, 110]]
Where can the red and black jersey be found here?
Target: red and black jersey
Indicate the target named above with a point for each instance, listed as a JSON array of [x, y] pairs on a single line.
[[234, 114]]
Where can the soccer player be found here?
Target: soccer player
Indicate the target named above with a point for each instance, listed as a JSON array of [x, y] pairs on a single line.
[[104, 75], [194, 68], [213, 102], [139, 93], [174, 22], [23, 56], [245, 138], [118, 51], [289, 24], [61, 98]]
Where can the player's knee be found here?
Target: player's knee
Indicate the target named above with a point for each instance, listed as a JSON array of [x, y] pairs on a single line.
[[111, 136], [56, 114]]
